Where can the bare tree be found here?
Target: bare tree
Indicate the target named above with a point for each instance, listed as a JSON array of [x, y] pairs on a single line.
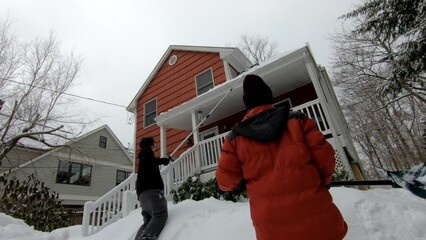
[[386, 128], [257, 48], [33, 79]]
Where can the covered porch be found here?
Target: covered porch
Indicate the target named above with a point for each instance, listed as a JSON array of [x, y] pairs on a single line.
[[283, 74]]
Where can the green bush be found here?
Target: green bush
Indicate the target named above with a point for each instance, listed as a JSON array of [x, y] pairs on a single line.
[[32, 202], [340, 174], [194, 189]]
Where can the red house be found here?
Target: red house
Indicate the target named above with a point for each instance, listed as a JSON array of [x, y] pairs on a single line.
[[192, 99], [188, 83]]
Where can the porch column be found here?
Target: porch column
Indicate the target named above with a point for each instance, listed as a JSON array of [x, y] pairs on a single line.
[[227, 72], [163, 145], [196, 138], [314, 74]]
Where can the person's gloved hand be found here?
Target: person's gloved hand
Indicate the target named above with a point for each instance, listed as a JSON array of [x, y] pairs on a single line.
[[240, 188], [170, 159]]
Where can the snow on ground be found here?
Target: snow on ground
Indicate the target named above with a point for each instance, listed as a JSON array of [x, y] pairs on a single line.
[[377, 214]]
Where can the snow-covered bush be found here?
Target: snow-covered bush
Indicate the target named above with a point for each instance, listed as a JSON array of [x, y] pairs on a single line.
[[340, 174], [32, 202], [194, 189]]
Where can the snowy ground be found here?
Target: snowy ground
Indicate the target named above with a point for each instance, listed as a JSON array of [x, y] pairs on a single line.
[[379, 214]]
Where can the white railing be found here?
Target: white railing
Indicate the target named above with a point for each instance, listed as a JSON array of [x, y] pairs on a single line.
[[178, 171], [314, 110], [108, 208], [201, 157], [210, 151]]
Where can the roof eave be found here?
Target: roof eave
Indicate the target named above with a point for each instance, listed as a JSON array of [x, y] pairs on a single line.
[[218, 92]]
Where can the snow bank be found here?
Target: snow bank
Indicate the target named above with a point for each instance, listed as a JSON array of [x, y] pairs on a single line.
[[378, 214]]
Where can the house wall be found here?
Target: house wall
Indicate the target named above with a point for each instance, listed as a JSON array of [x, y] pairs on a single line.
[[104, 162], [17, 156], [172, 86]]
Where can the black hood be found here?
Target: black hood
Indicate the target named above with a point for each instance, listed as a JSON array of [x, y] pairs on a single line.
[[265, 126]]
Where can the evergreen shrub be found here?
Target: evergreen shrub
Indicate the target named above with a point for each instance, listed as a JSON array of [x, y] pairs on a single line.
[[196, 190], [34, 203]]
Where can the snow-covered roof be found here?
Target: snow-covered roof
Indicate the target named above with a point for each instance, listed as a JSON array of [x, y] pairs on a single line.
[[231, 54], [282, 73]]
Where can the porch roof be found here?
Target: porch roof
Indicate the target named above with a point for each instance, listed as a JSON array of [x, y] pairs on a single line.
[[283, 73]]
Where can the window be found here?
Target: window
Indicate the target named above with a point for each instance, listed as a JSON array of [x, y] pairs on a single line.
[[204, 81], [74, 173], [150, 112], [102, 142], [121, 176]]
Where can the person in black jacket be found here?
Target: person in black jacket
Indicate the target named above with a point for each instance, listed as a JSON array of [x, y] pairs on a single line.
[[149, 188]]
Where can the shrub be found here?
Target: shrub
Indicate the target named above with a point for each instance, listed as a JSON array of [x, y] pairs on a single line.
[[194, 189], [32, 202], [340, 174]]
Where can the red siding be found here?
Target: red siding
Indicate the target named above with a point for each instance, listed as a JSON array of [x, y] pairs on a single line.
[[172, 86]]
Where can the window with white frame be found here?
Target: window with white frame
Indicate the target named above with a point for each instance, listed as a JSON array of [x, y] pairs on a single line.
[[121, 176], [150, 112], [204, 81], [74, 173]]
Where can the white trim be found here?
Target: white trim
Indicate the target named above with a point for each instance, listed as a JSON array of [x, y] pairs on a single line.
[[227, 70], [195, 79], [82, 198], [173, 60], [135, 142], [163, 145], [144, 112]]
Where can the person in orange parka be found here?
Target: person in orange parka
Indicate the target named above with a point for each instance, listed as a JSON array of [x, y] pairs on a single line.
[[286, 164]]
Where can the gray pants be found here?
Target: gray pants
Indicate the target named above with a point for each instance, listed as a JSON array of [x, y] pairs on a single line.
[[154, 212]]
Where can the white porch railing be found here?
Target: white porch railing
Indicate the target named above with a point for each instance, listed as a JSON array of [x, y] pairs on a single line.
[[108, 208], [199, 158], [314, 110], [210, 151]]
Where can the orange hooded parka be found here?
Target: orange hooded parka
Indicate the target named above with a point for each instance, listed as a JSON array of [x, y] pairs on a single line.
[[286, 163]]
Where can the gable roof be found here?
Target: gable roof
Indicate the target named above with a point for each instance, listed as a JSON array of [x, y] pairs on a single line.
[[104, 127], [234, 55]]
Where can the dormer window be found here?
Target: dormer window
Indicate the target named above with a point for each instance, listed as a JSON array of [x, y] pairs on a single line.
[[204, 81]]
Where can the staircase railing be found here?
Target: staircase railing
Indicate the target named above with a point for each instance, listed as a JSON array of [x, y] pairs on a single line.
[[107, 209], [178, 171]]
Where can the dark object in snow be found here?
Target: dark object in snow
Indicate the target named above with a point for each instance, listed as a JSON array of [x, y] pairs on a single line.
[[414, 179]]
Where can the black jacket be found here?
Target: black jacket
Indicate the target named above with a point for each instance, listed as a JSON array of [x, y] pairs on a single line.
[[148, 172]]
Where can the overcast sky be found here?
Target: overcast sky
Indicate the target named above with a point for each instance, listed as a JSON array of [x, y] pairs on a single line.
[[121, 41]]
